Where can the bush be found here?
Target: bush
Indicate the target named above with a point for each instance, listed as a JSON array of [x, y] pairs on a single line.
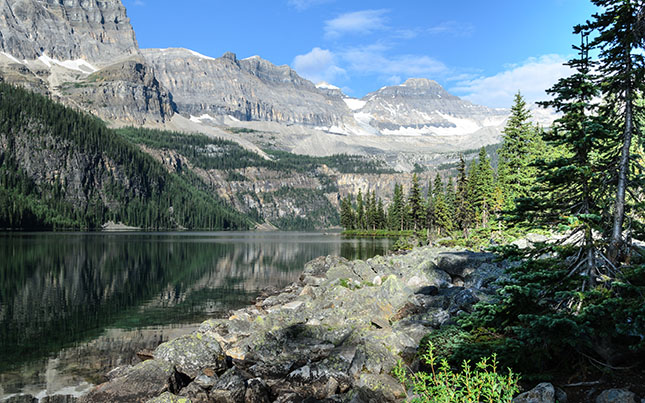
[[481, 384]]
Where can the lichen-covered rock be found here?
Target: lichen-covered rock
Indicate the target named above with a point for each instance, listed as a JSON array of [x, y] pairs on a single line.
[[616, 396], [192, 354], [145, 381], [168, 397], [380, 388], [59, 399], [542, 393]]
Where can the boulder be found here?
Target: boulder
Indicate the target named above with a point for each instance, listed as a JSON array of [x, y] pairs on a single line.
[[145, 381], [21, 399], [192, 354], [616, 396], [484, 277], [542, 393], [461, 263], [380, 388], [59, 399], [168, 397]]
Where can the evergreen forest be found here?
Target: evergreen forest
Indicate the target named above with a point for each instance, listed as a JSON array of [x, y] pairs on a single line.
[[571, 305]]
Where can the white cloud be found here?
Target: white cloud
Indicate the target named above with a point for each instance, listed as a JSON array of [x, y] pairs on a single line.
[[139, 3], [358, 22], [532, 78], [301, 5], [318, 65], [453, 28], [373, 59]]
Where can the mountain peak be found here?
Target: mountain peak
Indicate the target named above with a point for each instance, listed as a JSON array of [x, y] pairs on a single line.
[[420, 83]]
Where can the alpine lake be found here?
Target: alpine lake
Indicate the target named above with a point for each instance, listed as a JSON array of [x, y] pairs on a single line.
[[75, 305]]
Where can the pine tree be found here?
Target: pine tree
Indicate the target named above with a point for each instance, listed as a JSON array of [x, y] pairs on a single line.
[[347, 217], [481, 181], [442, 213], [520, 145], [381, 218], [360, 211], [415, 205], [620, 40], [463, 209], [397, 210], [570, 186]]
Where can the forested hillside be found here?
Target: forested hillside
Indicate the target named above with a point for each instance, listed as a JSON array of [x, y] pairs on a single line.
[[63, 169]]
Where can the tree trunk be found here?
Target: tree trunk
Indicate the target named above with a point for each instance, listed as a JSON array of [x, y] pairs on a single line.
[[623, 168]]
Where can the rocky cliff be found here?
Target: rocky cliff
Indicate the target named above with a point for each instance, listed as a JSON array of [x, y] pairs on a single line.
[[92, 30], [83, 53], [251, 89], [423, 107]]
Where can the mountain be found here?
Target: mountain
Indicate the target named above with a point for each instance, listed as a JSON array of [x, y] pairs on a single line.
[[63, 169], [423, 107], [83, 53], [92, 30], [251, 89]]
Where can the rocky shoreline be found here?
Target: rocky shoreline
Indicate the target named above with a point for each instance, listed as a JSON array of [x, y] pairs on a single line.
[[333, 336]]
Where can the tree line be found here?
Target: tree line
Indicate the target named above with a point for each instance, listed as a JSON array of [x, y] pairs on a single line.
[[476, 198]]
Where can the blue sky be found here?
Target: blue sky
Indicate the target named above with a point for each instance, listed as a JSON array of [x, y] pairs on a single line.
[[481, 50]]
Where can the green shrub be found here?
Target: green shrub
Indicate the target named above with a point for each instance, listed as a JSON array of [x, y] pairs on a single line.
[[441, 384]]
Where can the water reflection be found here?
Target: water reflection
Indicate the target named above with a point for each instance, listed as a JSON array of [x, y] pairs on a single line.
[[74, 304]]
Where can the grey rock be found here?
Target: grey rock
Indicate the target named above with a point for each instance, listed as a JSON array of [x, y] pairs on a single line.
[[542, 393], [250, 89], [168, 397], [485, 276], [195, 393], [380, 388], [145, 381], [192, 354], [616, 396], [257, 391], [461, 263], [127, 91], [205, 382], [21, 399], [463, 300], [59, 399], [232, 381], [97, 31], [421, 103]]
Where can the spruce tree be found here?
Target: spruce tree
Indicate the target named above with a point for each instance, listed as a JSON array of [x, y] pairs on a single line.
[[620, 40], [415, 204], [520, 142], [360, 211], [463, 208], [442, 213], [482, 184], [347, 218], [570, 188]]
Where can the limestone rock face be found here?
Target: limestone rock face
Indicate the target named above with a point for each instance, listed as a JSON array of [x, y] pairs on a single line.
[[423, 106], [249, 89], [127, 91], [93, 30]]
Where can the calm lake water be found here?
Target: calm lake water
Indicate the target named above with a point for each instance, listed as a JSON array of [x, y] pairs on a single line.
[[73, 305]]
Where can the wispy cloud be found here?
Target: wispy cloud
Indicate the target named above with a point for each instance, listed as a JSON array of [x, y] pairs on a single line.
[[139, 3], [302, 5], [318, 65], [453, 28], [357, 22], [374, 59], [532, 78]]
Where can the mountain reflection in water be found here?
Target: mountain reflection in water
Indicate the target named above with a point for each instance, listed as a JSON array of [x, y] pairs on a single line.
[[73, 305]]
